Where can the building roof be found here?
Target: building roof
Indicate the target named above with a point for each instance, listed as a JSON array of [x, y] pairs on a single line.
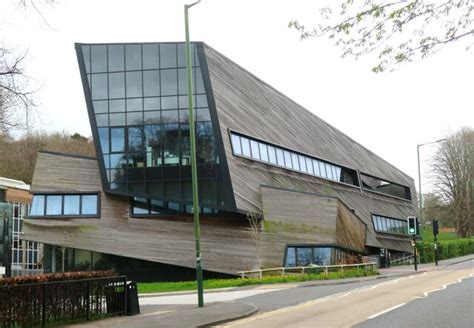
[[11, 183]]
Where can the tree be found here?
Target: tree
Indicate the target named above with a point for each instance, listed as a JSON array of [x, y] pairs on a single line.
[[401, 31], [453, 174], [435, 208]]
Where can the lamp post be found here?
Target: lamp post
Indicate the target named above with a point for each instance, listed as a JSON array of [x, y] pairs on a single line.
[[197, 232], [420, 195]]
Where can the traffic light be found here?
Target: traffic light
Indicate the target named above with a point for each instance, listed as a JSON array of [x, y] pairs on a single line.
[[435, 227], [412, 225]]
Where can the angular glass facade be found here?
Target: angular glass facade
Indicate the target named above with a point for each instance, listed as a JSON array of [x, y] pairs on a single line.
[[137, 94]]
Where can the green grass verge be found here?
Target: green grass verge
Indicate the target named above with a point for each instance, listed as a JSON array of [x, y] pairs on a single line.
[[427, 235], [161, 287]]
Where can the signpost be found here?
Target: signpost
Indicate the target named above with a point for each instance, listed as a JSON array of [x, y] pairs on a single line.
[[435, 234]]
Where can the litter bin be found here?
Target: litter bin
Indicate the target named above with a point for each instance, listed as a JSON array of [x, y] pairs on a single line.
[[133, 307]]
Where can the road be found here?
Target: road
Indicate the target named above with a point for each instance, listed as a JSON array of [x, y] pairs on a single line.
[[442, 297]]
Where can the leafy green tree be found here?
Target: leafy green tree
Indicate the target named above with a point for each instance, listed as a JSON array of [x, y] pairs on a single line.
[[395, 31]]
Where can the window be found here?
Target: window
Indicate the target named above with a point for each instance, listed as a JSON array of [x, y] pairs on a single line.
[[307, 255], [389, 225], [261, 151], [154, 207], [66, 205], [385, 187]]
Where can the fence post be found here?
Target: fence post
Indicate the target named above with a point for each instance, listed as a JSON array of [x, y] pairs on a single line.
[[125, 295], [326, 270], [43, 306], [283, 271], [88, 295]]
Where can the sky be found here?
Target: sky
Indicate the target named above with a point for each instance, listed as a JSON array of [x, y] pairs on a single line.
[[388, 113]]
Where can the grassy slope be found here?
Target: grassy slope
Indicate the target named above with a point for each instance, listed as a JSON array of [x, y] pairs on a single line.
[[160, 287]]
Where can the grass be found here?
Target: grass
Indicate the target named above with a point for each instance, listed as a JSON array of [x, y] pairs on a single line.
[[161, 287], [427, 235]]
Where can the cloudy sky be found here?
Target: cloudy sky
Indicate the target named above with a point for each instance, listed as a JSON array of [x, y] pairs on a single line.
[[388, 113]]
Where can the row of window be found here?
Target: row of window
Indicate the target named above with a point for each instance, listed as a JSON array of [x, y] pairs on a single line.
[[167, 82], [389, 225], [129, 57], [65, 205], [304, 256], [385, 187], [154, 207], [275, 155], [147, 104]]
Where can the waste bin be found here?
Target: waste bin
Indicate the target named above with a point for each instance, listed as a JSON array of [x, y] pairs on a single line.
[[133, 307]]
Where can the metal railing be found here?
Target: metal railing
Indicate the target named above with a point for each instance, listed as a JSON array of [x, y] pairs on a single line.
[[308, 269], [403, 260], [48, 303]]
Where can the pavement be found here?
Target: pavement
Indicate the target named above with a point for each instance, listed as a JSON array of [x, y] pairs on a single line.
[[180, 309]]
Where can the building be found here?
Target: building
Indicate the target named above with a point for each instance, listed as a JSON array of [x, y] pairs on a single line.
[[322, 196], [17, 257]]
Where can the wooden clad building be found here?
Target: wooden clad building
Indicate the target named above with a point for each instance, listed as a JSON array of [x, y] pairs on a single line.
[[321, 196]]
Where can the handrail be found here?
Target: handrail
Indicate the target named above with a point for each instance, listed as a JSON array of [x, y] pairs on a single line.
[[403, 259], [326, 268]]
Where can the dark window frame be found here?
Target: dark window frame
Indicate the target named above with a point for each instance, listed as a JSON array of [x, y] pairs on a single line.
[[67, 216]]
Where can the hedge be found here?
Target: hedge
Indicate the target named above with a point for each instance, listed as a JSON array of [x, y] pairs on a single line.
[[47, 277], [446, 249]]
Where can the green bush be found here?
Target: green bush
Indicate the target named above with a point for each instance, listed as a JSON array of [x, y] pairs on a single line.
[[446, 249]]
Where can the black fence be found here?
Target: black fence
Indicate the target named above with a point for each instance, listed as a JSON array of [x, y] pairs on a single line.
[[44, 304]]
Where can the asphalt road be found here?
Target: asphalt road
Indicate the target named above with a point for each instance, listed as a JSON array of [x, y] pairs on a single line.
[[402, 302]]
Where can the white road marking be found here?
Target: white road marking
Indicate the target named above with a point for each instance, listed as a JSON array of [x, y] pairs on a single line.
[[444, 286], [461, 262], [387, 310]]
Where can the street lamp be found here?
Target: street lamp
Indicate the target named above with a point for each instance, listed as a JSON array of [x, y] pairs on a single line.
[[420, 197], [192, 138]]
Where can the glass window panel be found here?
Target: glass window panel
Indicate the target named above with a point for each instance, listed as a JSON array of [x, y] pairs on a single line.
[[337, 173], [322, 255], [184, 116], [135, 105], [117, 119], [168, 55], [254, 148], [117, 161], [37, 205], [117, 105], [294, 159], [89, 205], [100, 106], [169, 116], [169, 83], [287, 156], [151, 83], [152, 117], [182, 82], [201, 101], [203, 114], [271, 155], [86, 54], [116, 85], [199, 84], [140, 206], [134, 84], [304, 256], [302, 161], [99, 58], [99, 86], [116, 58], [53, 205], [102, 119], [151, 56], [183, 102], [309, 165], [169, 102], [107, 161], [245, 146], [133, 57], [71, 204], [280, 157], [152, 103], [316, 169], [104, 140], [117, 136], [181, 55], [263, 152], [290, 257], [328, 171], [135, 160], [171, 144], [236, 144], [135, 118]]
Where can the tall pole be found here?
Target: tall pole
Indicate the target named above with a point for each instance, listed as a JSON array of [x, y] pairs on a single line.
[[197, 230], [420, 195]]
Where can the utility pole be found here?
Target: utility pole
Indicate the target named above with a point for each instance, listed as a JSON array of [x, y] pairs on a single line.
[[197, 229]]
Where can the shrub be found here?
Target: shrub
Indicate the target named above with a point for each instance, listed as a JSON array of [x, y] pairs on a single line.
[[446, 249], [20, 280]]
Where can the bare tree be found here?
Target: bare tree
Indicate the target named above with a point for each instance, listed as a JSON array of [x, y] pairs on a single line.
[[453, 173], [255, 223], [398, 31]]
